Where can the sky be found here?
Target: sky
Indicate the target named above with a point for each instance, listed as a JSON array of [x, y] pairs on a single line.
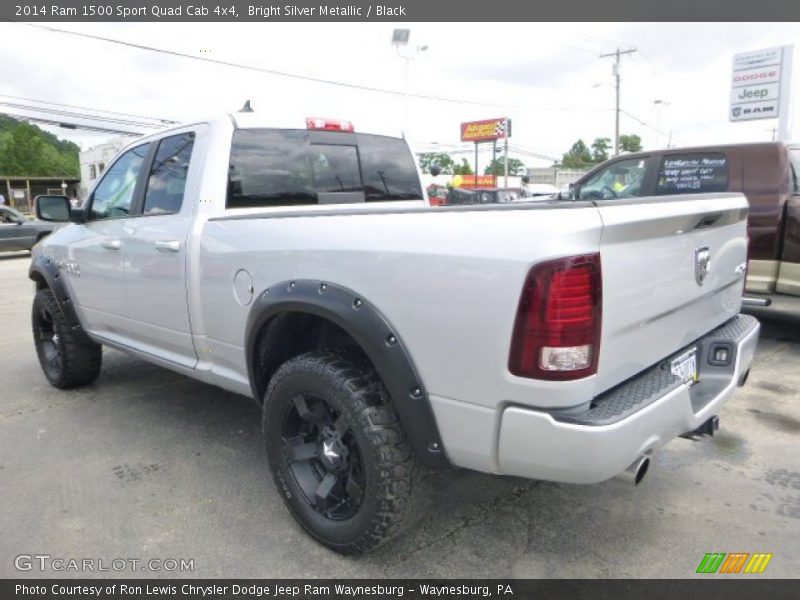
[[547, 77]]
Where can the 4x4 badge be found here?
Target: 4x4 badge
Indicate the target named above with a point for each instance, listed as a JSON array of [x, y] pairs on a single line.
[[702, 263]]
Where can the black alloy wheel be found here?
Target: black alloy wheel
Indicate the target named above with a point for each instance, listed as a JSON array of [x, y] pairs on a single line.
[[323, 457], [46, 337], [337, 451], [68, 357]]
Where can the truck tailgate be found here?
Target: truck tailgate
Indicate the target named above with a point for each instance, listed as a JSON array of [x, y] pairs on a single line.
[[656, 297]]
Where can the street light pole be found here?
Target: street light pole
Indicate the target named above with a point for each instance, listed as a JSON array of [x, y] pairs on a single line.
[[659, 105], [615, 71], [400, 37], [406, 60]]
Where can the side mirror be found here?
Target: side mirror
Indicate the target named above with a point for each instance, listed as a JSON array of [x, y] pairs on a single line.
[[435, 170], [526, 180], [574, 191], [78, 215], [52, 208]]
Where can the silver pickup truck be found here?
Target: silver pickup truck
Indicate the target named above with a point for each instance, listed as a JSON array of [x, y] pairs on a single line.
[[303, 266]]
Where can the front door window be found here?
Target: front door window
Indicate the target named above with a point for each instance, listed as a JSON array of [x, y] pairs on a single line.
[[113, 196]]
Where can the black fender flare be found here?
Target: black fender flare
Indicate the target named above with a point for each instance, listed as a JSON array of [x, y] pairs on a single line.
[[382, 344], [43, 268]]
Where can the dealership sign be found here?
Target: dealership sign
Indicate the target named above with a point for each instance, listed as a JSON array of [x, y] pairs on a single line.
[[485, 131], [756, 84], [469, 181]]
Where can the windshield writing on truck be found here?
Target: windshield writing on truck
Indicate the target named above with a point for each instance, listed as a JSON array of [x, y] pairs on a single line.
[[280, 167], [695, 173]]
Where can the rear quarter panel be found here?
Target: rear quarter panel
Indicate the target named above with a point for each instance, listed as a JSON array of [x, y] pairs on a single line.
[[447, 279]]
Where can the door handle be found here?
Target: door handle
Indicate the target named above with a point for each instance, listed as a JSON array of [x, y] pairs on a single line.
[[112, 244], [168, 245]]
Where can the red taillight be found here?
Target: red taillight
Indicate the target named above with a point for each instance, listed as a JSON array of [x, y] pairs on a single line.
[[319, 124], [557, 330]]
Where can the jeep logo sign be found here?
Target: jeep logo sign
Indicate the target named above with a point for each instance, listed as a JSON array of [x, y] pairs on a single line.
[[756, 83], [755, 93]]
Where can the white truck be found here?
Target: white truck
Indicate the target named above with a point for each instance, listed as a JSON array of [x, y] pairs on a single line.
[[303, 266]]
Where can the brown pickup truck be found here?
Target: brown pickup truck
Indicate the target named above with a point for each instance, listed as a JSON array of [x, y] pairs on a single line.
[[768, 174]]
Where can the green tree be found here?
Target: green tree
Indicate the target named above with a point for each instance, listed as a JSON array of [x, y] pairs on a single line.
[[463, 169], [443, 160], [497, 167], [578, 156], [23, 151], [600, 148], [630, 143], [27, 150]]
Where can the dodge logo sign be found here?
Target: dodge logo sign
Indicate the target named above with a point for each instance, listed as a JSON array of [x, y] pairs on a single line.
[[702, 263]]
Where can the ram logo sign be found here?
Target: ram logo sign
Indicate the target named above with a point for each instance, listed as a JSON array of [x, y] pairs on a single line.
[[734, 562]]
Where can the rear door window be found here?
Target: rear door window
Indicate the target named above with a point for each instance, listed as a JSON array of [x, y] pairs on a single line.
[[167, 180], [281, 167], [695, 173]]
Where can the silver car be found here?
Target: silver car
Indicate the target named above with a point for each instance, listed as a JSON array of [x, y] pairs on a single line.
[[18, 232]]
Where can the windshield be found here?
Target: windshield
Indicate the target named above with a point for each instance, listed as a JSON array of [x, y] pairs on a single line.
[[621, 179], [9, 214], [794, 159]]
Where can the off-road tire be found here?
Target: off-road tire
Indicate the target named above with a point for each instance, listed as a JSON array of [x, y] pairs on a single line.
[[352, 390], [67, 356]]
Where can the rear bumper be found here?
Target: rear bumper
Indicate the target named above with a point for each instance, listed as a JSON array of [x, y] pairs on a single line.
[[633, 419]]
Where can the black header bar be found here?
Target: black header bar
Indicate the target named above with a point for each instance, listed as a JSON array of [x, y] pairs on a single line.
[[707, 588], [398, 10]]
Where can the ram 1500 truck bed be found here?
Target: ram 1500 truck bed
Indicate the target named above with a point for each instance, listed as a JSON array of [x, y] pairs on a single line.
[[554, 340]]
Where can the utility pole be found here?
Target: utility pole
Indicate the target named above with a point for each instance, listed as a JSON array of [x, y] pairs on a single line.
[[615, 71], [774, 131]]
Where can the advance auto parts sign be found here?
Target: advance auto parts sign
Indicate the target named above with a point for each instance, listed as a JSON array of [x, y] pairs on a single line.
[[485, 131], [755, 84]]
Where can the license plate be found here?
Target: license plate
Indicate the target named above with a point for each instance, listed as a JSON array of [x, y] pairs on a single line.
[[685, 366]]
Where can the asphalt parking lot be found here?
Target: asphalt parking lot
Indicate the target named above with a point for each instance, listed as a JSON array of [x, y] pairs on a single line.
[[149, 464]]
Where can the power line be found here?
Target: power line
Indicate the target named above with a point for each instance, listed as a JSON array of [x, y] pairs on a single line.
[[640, 121], [65, 113], [71, 125], [110, 112], [344, 84], [595, 39], [652, 64], [587, 50], [530, 153]]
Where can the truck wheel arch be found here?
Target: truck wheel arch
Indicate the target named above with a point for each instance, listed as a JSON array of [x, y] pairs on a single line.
[[278, 310], [46, 274]]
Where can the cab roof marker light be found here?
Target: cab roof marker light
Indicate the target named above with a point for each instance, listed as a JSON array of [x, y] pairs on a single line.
[[322, 124]]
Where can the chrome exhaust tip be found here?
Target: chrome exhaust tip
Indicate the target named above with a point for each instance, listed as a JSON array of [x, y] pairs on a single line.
[[750, 301], [635, 472]]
